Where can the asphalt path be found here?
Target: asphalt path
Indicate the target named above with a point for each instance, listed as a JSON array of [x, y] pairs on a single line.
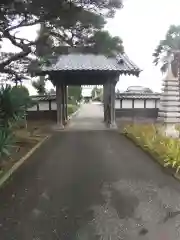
[[90, 185]]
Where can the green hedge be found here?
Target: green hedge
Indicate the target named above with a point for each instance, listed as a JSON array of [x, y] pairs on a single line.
[[72, 108]]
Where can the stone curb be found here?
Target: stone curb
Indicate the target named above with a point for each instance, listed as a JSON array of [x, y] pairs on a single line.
[[15, 167], [168, 171]]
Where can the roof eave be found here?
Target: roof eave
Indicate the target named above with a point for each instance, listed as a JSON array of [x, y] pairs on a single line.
[[134, 72]]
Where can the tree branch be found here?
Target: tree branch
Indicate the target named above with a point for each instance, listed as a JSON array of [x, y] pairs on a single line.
[[22, 39], [26, 49], [7, 35], [11, 72], [16, 57], [61, 37], [24, 24]]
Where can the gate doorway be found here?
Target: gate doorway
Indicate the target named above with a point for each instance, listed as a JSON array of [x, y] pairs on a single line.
[[88, 69]]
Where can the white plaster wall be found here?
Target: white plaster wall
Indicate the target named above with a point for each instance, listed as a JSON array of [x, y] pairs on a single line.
[[150, 103], [117, 103], [138, 103], [43, 106], [127, 103], [53, 106], [158, 104], [34, 108]]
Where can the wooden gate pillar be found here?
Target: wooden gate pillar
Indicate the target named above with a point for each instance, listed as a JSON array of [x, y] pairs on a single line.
[[105, 100], [112, 104], [66, 102], [107, 115], [63, 104], [109, 103], [59, 92]]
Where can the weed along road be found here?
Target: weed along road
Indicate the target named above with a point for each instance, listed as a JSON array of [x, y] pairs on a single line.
[[89, 185]]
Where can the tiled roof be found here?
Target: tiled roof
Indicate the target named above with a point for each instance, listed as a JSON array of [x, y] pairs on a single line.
[[118, 96], [138, 89], [138, 96], [75, 62], [43, 97]]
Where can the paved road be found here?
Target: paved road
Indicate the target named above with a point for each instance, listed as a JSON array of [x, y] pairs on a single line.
[[90, 185], [90, 117]]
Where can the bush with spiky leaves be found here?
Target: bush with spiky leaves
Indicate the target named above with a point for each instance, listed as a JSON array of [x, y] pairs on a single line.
[[6, 140], [13, 104]]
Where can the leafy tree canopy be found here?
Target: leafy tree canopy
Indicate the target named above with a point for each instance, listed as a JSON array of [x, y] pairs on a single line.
[[103, 43], [75, 92], [52, 91], [168, 50], [40, 86], [97, 93], [63, 22]]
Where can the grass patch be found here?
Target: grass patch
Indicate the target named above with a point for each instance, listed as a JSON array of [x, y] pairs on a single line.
[[163, 149], [72, 108]]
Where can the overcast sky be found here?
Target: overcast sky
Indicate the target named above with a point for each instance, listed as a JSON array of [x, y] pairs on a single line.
[[141, 24]]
